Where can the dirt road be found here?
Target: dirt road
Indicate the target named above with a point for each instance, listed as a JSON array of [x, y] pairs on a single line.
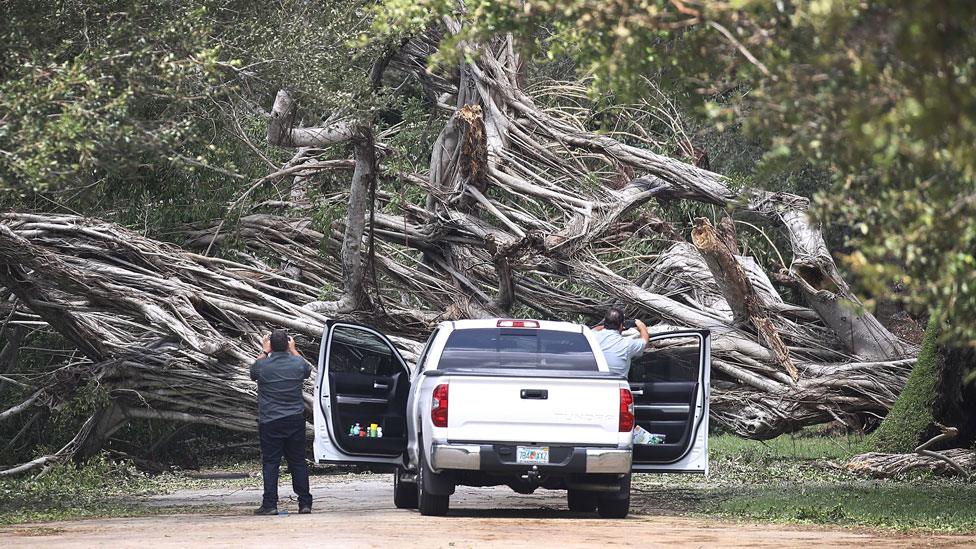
[[357, 511]]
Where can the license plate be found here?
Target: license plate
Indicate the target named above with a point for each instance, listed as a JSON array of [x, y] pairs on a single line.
[[532, 454]]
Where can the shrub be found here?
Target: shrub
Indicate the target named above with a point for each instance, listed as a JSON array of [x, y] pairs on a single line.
[[912, 415]]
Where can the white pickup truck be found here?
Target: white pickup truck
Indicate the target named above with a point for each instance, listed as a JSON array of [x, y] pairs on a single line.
[[523, 403]]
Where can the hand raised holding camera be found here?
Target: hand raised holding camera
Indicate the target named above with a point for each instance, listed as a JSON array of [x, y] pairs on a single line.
[[265, 347]]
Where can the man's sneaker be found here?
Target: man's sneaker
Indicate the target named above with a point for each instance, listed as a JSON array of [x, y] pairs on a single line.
[[304, 509], [266, 511]]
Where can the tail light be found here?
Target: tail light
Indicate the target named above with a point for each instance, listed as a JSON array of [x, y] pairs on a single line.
[[626, 410], [438, 406]]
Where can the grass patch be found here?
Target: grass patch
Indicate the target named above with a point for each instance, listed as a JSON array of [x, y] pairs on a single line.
[[798, 479], [944, 508], [803, 446]]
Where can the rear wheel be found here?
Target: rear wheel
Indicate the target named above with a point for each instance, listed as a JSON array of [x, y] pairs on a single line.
[[404, 493], [581, 501], [616, 506], [429, 504]]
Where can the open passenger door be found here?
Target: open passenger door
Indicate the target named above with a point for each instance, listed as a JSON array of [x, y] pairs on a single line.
[[361, 379], [670, 384]]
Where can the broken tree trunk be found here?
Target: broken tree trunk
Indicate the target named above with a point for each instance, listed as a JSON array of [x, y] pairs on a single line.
[[814, 271], [363, 179], [719, 253], [283, 132], [282, 129]]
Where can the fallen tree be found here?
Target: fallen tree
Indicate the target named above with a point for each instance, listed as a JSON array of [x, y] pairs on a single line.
[[954, 461], [526, 211]]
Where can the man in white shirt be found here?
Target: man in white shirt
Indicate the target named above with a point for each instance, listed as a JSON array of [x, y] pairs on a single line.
[[617, 349]]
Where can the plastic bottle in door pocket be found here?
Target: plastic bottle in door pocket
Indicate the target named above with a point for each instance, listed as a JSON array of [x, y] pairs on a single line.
[[643, 436]]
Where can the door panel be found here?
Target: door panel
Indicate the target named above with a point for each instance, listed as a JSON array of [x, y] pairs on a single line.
[[362, 379], [670, 386], [665, 408]]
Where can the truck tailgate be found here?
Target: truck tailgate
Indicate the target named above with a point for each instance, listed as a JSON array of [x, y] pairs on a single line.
[[512, 409]]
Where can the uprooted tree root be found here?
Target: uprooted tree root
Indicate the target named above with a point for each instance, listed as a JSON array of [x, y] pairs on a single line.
[[513, 218]]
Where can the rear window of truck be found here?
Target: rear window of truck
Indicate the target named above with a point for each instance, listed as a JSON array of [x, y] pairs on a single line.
[[482, 348]]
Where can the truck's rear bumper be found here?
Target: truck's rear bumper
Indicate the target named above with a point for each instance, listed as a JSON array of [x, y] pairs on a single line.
[[501, 457]]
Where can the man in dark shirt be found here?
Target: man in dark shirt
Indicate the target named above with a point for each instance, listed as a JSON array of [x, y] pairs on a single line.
[[280, 372]]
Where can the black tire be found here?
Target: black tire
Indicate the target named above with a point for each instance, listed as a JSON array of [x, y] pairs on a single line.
[[430, 505], [404, 493], [616, 506], [581, 501]]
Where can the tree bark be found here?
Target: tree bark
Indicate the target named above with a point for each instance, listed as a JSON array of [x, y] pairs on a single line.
[[283, 133], [816, 275], [889, 465], [363, 178], [719, 251]]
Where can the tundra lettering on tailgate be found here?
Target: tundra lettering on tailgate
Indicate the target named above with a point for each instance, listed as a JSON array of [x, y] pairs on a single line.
[[575, 416]]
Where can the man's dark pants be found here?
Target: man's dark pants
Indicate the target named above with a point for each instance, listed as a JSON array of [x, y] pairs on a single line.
[[284, 436]]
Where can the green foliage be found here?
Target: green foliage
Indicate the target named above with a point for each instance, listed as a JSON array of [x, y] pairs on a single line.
[[146, 112], [416, 131], [95, 91], [324, 219], [328, 292], [89, 398], [912, 416], [306, 47], [19, 434], [66, 489]]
